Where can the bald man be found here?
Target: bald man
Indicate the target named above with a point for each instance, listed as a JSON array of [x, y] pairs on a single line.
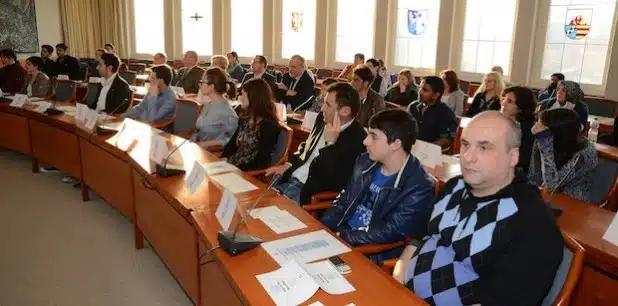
[[189, 76], [491, 239]]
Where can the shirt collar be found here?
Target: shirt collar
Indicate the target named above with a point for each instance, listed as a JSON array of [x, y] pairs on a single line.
[[108, 82], [345, 126]]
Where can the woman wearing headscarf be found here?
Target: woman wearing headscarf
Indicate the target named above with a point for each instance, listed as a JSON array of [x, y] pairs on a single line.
[[569, 95]]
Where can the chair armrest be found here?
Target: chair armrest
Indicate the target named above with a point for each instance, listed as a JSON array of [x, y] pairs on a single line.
[[315, 208], [185, 135], [215, 148], [160, 124], [388, 265], [368, 249], [324, 196], [256, 173]]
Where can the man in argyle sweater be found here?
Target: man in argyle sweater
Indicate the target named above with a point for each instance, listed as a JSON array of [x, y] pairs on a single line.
[[491, 238]]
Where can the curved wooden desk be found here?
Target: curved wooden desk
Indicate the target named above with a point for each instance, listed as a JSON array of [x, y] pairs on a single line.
[[179, 226]]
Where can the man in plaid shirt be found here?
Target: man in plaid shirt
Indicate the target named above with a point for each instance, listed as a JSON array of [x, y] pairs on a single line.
[[491, 239]]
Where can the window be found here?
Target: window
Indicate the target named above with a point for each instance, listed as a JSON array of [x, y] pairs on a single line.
[[247, 27], [488, 33], [196, 16], [417, 33], [149, 31], [577, 38], [353, 36], [298, 33]]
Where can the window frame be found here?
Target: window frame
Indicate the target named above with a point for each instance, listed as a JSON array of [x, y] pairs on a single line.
[[332, 36]]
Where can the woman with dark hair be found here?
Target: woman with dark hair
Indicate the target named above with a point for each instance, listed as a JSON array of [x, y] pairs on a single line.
[[404, 91], [12, 74], [37, 83], [519, 103], [256, 136], [453, 96], [565, 160], [218, 121], [569, 95]]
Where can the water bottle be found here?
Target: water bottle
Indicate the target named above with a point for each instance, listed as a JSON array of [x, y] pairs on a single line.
[[593, 133]]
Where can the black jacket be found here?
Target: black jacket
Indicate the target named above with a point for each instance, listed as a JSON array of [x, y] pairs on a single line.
[[49, 68], [479, 104], [332, 168], [119, 92], [269, 78], [527, 141], [304, 90], [68, 65]]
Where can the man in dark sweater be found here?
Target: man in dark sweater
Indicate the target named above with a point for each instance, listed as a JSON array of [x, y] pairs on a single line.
[[49, 66], [12, 74], [324, 162], [491, 239], [66, 64]]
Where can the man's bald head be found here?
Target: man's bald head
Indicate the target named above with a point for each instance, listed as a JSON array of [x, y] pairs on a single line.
[[507, 127], [190, 58]]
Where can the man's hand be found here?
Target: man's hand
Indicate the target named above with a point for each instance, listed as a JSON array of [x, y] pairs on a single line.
[[332, 130], [290, 93], [277, 169], [282, 86]]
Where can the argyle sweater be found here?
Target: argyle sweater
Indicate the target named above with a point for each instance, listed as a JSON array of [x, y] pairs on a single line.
[[502, 249]]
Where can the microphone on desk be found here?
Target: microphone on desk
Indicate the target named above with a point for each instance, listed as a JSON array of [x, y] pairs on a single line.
[[557, 211], [163, 171], [102, 130], [291, 118], [234, 243]]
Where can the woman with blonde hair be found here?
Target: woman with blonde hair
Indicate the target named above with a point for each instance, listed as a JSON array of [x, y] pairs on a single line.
[[219, 61], [487, 97], [404, 91]]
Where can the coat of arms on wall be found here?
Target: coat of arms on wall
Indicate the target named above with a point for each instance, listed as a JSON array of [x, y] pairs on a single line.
[[297, 21], [417, 21], [577, 23]]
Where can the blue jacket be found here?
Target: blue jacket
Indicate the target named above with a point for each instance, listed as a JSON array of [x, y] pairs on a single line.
[[400, 211]]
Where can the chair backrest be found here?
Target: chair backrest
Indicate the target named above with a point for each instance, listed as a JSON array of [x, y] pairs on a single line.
[[139, 68], [93, 93], [466, 104], [567, 274], [284, 142], [604, 182], [324, 73], [66, 90], [464, 86], [600, 106], [394, 78], [187, 113], [472, 89], [391, 105], [129, 76]]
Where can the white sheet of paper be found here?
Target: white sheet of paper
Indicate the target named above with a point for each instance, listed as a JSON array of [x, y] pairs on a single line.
[[427, 153], [124, 138], [81, 111], [330, 280], [178, 90], [68, 110], [42, 106], [309, 119], [95, 80], [281, 111], [195, 177], [305, 247], [611, 234], [116, 126], [448, 159], [281, 221], [225, 210], [257, 213], [19, 100], [234, 182], [35, 99], [219, 167], [290, 285], [158, 149], [91, 119], [62, 77]]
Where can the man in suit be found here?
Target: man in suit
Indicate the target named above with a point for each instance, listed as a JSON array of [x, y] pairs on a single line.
[[371, 101], [49, 66], [325, 161], [12, 74], [93, 64], [37, 83], [297, 85], [66, 64], [189, 76], [258, 71], [115, 93]]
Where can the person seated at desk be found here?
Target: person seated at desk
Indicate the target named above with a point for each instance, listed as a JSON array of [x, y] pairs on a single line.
[[437, 122], [12, 74], [551, 89], [93, 64], [258, 128], [66, 64], [217, 122], [563, 159], [234, 69], [491, 239], [324, 162], [371, 101], [160, 103], [189, 76], [404, 91], [258, 71], [487, 96], [453, 96], [37, 83], [297, 85], [348, 72], [316, 105], [115, 92], [389, 195], [569, 95], [49, 66], [379, 84], [519, 104]]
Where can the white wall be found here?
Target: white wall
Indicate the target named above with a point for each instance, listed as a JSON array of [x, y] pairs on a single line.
[[49, 24]]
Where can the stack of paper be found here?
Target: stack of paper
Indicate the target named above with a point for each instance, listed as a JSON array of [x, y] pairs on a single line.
[[305, 247], [295, 283], [68, 110], [234, 182], [429, 154], [219, 167], [280, 221]]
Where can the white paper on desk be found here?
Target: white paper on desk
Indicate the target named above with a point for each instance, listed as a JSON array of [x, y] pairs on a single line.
[[449, 159], [81, 111], [281, 221], [281, 111], [68, 110], [234, 182], [42, 106], [290, 285], [91, 119], [178, 90], [257, 213], [328, 278], [611, 234], [95, 80], [219, 167], [225, 210], [305, 247], [35, 99], [124, 139], [309, 120], [19, 100], [427, 153], [195, 177], [158, 149], [62, 77]]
